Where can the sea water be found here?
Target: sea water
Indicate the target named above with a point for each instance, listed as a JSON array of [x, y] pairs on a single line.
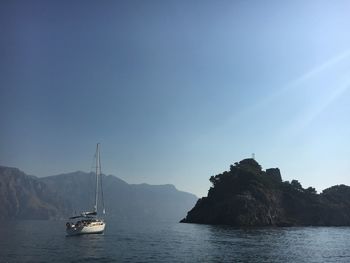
[[138, 241]]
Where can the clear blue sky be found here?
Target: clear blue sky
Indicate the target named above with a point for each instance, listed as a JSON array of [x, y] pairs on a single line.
[[176, 91]]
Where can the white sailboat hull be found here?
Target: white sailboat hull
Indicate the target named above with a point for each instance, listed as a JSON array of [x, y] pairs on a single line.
[[94, 228], [88, 223]]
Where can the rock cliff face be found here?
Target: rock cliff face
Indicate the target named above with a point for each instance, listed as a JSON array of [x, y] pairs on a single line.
[[248, 196], [23, 196]]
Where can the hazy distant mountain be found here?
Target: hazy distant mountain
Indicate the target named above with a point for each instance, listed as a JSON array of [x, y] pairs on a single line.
[[122, 200], [28, 197], [23, 196]]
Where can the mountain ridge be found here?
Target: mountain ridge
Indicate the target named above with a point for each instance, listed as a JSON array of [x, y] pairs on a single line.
[[65, 194]]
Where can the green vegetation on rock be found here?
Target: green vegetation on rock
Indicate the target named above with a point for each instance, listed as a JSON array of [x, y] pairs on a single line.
[[248, 196]]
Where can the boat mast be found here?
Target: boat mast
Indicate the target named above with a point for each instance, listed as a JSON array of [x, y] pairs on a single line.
[[98, 173]]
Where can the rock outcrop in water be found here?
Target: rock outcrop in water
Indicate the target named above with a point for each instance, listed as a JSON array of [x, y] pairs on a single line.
[[248, 196]]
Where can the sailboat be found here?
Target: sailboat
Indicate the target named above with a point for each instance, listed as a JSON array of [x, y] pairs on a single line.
[[88, 222]]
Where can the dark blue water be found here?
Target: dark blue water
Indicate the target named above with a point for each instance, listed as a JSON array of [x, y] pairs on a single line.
[[45, 241]]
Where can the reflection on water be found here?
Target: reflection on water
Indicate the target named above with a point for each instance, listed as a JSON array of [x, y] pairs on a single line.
[[310, 244], [86, 246], [43, 241]]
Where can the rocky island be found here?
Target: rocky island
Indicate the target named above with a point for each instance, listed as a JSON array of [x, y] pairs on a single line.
[[247, 196]]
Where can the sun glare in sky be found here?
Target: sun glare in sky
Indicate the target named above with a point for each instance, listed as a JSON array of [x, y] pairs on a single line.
[[176, 91]]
